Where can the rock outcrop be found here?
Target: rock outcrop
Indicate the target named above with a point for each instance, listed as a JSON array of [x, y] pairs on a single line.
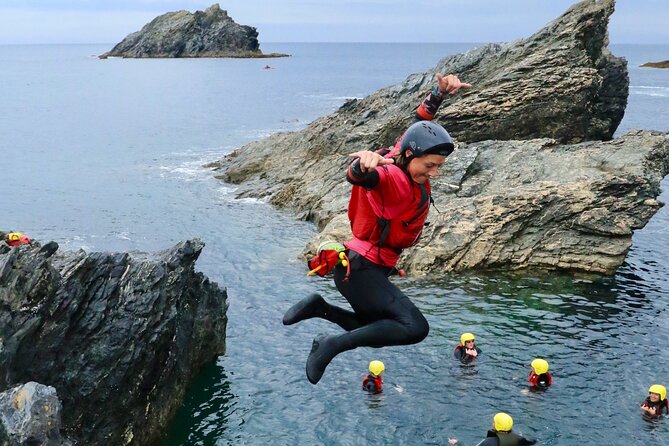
[[561, 83], [30, 415], [209, 33], [118, 335], [663, 64]]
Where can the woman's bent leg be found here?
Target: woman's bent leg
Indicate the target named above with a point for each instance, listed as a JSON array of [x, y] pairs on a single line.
[[394, 320], [315, 306]]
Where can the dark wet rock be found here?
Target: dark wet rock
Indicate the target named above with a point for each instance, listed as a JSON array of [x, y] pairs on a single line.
[[208, 33], [663, 64], [30, 414], [563, 84], [118, 335]]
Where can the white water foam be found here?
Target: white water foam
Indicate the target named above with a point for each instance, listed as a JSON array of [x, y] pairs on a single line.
[[646, 90], [192, 167], [227, 194]]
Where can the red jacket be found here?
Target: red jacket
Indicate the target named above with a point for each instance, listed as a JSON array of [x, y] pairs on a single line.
[[372, 384], [389, 217]]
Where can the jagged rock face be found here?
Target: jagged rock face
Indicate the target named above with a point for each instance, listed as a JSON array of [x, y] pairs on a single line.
[[537, 204], [118, 335], [560, 83], [209, 33], [30, 415]]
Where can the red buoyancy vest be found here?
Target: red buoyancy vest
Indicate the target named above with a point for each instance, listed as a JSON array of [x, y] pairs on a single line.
[[534, 378], [372, 383], [381, 229], [16, 239], [659, 406]]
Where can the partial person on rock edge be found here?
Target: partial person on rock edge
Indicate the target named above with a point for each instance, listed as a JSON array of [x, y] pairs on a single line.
[[387, 209]]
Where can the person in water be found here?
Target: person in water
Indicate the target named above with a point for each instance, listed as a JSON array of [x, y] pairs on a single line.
[[501, 433], [656, 402], [539, 376], [387, 209], [373, 382], [466, 351]]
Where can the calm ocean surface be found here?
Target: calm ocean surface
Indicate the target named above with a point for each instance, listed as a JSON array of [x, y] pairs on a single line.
[[108, 155]]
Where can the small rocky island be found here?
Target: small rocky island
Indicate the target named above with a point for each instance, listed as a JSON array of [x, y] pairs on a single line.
[[208, 33], [663, 64]]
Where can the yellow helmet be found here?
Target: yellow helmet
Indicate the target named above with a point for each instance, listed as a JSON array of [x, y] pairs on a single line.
[[376, 367], [14, 236], [466, 337], [539, 366], [502, 422], [659, 389]]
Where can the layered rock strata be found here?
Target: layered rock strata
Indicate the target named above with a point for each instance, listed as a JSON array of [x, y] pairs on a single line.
[[562, 83]]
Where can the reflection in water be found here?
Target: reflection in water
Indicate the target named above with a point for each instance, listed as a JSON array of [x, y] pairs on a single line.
[[592, 332], [203, 417]]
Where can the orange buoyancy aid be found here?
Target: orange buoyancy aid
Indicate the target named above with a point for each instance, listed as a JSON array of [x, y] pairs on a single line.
[[377, 237]]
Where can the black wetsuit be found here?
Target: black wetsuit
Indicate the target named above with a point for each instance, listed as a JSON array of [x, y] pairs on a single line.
[[660, 407], [372, 384], [510, 438], [382, 315], [459, 353]]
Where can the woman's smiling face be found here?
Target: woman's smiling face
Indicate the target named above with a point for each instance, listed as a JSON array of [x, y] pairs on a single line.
[[425, 167]]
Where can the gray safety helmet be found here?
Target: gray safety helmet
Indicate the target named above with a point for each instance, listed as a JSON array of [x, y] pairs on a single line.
[[425, 138]]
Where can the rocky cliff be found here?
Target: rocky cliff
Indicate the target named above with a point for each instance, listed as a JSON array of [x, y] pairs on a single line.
[[118, 335], [209, 33], [562, 83]]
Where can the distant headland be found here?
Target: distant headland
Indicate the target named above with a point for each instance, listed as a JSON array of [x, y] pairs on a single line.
[[208, 33], [664, 64]]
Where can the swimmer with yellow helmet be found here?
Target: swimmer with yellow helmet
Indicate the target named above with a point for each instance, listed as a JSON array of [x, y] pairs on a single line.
[[656, 402], [373, 382], [501, 434], [539, 376], [466, 351]]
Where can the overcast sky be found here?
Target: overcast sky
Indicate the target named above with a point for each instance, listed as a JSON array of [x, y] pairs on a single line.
[[109, 21]]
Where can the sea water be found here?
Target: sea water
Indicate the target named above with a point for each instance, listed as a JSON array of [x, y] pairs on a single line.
[[109, 155]]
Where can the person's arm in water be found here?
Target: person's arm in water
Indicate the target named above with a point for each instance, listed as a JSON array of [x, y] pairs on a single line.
[[445, 85]]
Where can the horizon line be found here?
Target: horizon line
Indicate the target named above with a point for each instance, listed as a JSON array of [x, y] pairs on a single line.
[[331, 42]]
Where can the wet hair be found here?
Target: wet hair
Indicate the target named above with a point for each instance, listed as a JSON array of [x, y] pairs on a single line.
[[403, 161]]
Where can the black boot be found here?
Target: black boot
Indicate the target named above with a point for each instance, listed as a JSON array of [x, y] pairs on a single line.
[[311, 306], [323, 350]]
